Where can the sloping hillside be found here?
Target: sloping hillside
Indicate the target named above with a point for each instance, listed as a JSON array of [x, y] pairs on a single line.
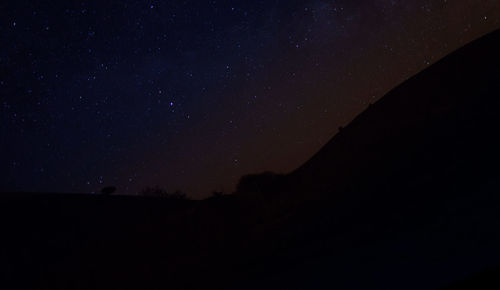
[[408, 191], [404, 197], [445, 115]]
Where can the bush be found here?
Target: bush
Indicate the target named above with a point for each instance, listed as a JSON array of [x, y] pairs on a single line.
[[216, 193], [108, 190], [259, 183], [163, 193]]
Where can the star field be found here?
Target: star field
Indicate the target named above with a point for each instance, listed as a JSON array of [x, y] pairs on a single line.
[[191, 95]]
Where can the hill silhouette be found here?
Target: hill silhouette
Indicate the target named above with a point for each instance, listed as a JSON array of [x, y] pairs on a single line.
[[418, 170], [406, 196]]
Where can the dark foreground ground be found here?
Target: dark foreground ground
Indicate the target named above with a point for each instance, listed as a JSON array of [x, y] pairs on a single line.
[[405, 197]]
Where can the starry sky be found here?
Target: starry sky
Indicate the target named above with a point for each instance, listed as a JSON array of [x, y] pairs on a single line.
[[192, 95]]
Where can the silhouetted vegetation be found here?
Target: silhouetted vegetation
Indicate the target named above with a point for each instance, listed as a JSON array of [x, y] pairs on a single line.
[[108, 190], [258, 183], [157, 191], [217, 193]]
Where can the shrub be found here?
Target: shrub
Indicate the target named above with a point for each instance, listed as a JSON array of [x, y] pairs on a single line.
[[216, 193], [163, 193], [108, 190], [263, 182]]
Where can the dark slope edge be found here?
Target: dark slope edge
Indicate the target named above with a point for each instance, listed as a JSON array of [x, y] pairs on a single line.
[[407, 195], [404, 197], [447, 113]]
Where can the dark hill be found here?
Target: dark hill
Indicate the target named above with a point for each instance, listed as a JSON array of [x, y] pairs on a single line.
[[407, 196], [404, 197], [439, 119]]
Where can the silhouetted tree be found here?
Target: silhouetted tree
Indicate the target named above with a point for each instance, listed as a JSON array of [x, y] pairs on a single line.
[[217, 193], [177, 195], [157, 191], [108, 190], [153, 191], [263, 182]]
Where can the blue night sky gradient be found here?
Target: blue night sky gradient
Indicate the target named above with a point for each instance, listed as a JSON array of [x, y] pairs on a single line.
[[191, 95]]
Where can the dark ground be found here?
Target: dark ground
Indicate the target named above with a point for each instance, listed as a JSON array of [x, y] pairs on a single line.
[[405, 197]]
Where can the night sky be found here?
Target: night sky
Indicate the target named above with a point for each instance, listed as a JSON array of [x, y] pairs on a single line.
[[192, 95]]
